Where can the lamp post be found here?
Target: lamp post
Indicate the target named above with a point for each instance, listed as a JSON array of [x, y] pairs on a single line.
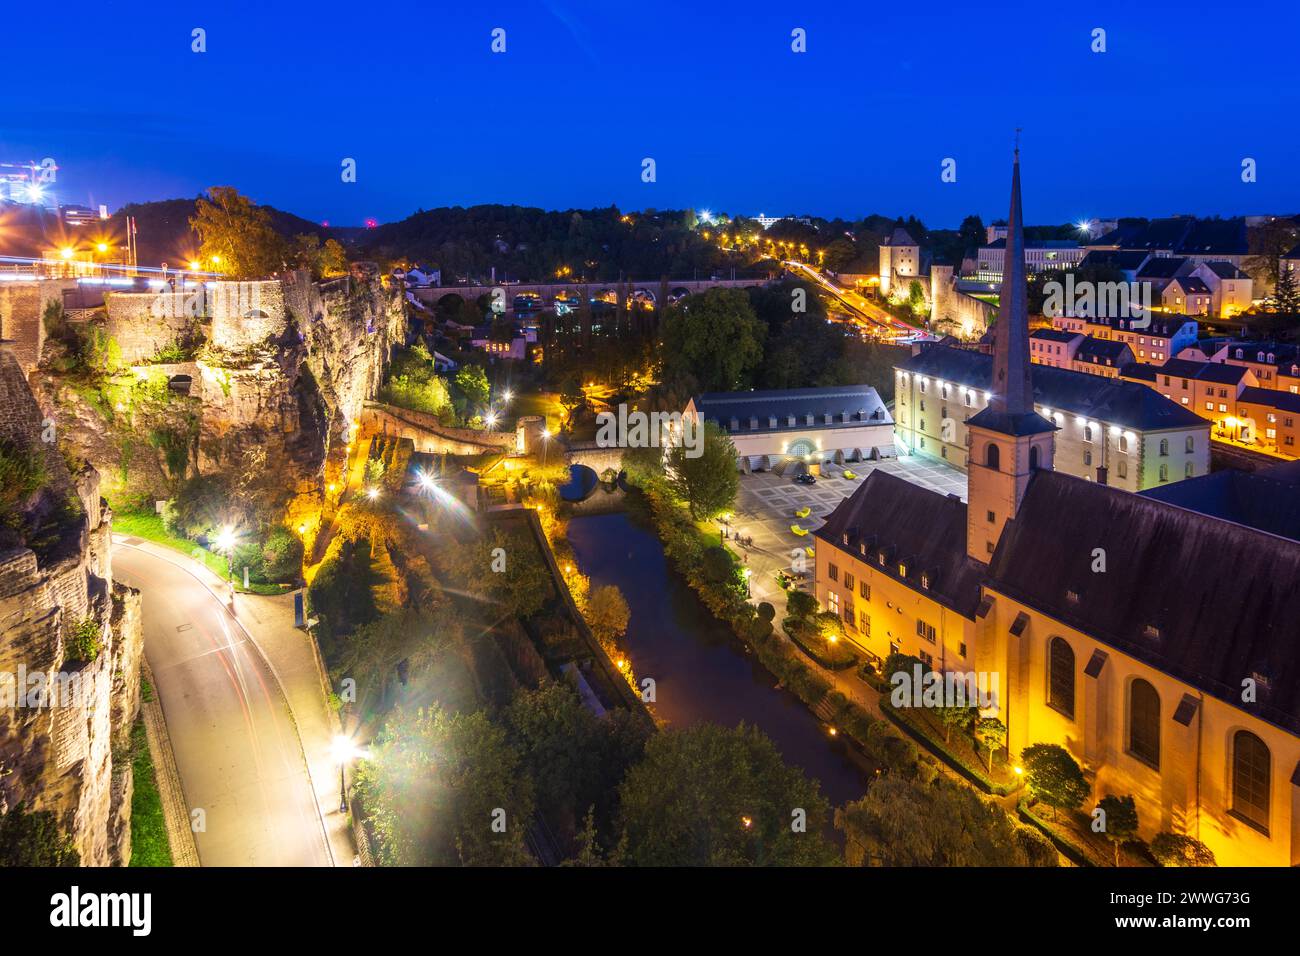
[[546, 444], [226, 545], [343, 750]]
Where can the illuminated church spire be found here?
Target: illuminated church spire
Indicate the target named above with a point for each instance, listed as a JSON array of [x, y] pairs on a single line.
[[1013, 392]]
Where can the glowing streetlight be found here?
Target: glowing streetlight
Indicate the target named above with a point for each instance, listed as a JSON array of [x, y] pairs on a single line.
[[66, 252], [226, 544], [193, 265], [343, 750], [490, 420], [102, 247], [372, 494], [507, 395]]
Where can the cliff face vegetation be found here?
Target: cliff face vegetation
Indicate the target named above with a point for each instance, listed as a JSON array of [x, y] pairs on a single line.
[[70, 646]]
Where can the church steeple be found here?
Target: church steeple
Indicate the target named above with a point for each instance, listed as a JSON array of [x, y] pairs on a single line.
[[1013, 392], [1008, 440]]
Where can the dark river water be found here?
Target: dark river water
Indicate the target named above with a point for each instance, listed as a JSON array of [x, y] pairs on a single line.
[[701, 670]]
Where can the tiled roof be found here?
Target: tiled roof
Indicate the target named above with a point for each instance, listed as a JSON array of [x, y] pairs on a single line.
[[919, 529], [1267, 500], [1186, 623], [1112, 400], [849, 406]]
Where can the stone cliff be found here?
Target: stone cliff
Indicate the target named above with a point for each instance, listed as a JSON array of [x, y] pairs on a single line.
[[277, 383], [70, 646]]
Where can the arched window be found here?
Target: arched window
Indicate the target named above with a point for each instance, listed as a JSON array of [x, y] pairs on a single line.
[[1144, 722], [1060, 676], [1251, 779], [1123, 443], [1164, 472], [993, 457], [1164, 446], [1033, 458]]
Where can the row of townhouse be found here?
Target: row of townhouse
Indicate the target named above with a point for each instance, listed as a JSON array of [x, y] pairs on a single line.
[[1229, 396]]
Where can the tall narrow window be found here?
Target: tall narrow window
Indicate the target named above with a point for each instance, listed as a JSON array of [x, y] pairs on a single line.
[[1251, 778], [1144, 722], [1033, 458], [1060, 676], [993, 457]]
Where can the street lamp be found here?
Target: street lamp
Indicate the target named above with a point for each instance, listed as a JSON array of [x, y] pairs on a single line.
[[226, 544], [546, 444], [343, 750], [747, 572]]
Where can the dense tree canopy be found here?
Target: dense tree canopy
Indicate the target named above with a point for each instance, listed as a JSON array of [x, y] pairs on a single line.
[[445, 789], [710, 796], [713, 340]]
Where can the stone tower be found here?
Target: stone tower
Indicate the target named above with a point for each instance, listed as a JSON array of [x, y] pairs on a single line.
[[1008, 439]]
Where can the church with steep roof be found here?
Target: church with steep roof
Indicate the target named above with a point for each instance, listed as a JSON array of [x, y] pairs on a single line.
[[1156, 643]]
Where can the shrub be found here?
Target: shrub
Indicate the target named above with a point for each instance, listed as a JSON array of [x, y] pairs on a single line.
[[766, 612], [1178, 849], [800, 604], [1038, 850], [84, 640], [34, 839], [22, 472]]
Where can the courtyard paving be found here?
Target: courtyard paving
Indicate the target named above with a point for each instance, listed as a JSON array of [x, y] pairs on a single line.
[[766, 506]]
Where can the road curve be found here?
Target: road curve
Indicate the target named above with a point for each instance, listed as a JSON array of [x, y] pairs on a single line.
[[237, 750]]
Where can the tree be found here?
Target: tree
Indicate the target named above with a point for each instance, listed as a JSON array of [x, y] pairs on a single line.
[[333, 260], [557, 740], [800, 605], [1054, 777], [959, 718], [707, 483], [399, 643], [712, 796], [1178, 849], [1120, 823], [34, 839], [992, 733], [522, 584], [306, 252], [607, 613], [1267, 243], [236, 237], [1285, 298], [910, 823], [972, 233], [718, 565], [441, 789], [473, 384], [713, 339]]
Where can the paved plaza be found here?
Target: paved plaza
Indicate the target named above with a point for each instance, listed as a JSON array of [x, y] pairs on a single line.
[[767, 504]]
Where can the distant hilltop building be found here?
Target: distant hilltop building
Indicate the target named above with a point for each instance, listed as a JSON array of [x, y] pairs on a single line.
[[1040, 256], [767, 222]]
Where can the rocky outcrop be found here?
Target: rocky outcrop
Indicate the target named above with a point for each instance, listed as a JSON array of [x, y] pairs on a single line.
[[70, 646], [279, 382], [288, 369]]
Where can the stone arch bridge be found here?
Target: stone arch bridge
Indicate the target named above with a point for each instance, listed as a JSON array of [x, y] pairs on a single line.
[[611, 292]]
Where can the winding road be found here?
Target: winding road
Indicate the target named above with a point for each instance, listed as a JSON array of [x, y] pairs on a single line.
[[237, 748]]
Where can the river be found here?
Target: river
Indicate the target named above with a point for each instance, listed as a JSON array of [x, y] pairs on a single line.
[[702, 671]]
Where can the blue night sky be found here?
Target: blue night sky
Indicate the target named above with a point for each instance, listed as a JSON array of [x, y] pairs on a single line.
[[1157, 125]]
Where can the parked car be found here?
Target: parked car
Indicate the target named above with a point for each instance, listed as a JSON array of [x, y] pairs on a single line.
[[805, 479]]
